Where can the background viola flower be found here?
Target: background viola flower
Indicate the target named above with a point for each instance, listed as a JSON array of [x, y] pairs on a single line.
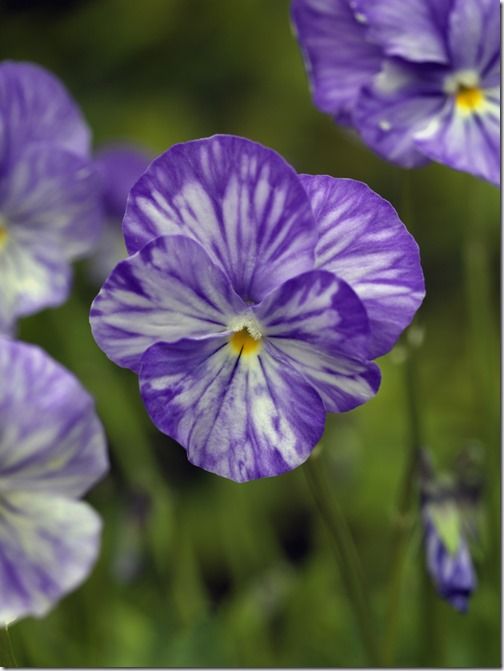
[[52, 450], [49, 191], [119, 166], [253, 301], [418, 80]]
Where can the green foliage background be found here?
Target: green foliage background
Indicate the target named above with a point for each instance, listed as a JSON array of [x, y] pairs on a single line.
[[198, 571]]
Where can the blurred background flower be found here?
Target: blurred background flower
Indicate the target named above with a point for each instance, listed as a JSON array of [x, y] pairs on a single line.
[[245, 575]]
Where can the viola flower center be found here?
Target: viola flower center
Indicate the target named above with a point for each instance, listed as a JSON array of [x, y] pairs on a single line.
[[469, 98], [4, 235], [244, 344]]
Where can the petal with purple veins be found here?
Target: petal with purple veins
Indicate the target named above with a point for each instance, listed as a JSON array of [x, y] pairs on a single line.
[[48, 545], [167, 291], [241, 201], [337, 55], [51, 440], [363, 241], [242, 416]]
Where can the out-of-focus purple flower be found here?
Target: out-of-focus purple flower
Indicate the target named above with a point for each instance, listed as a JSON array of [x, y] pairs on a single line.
[[119, 167], [49, 191], [253, 301], [418, 79], [52, 449], [448, 557]]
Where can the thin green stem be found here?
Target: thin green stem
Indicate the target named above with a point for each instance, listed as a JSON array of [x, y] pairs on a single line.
[[7, 657], [347, 556]]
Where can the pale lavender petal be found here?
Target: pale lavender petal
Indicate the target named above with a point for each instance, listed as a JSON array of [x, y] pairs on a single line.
[[241, 416], [363, 241], [465, 140], [412, 29], [51, 440], [338, 57], [401, 101], [34, 106], [167, 291], [474, 35], [120, 165], [240, 200], [48, 546], [49, 214], [317, 308], [343, 383]]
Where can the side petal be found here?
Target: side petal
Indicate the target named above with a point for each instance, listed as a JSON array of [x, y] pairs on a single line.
[[34, 107], [338, 58], [242, 417], [402, 99], [319, 309], [411, 29], [363, 241], [48, 546], [474, 35], [241, 201], [342, 382], [467, 141], [167, 291], [50, 437]]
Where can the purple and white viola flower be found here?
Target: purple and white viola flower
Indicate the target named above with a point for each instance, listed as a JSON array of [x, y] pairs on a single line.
[[52, 449], [119, 167], [49, 191], [253, 301], [418, 79]]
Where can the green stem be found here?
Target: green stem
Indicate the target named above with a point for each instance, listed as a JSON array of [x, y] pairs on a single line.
[[347, 556], [7, 657]]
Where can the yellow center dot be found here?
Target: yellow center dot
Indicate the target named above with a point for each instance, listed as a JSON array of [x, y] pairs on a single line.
[[3, 236], [243, 343], [469, 98]]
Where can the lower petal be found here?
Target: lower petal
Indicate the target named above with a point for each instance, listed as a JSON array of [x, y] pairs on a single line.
[[243, 416], [48, 546]]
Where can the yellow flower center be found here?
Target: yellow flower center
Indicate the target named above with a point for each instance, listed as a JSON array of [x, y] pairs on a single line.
[[469, 98], [242, 343], [4, 236]]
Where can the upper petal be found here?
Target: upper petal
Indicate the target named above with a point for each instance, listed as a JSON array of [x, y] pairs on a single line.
[[35, 106], [48, 546], [338, 57], [412, 29], [363, 241], [240, 200], [474, 35], [242, 417], [50, 437], [167, 291]]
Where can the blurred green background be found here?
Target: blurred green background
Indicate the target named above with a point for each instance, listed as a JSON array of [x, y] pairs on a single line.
[[199, 571]]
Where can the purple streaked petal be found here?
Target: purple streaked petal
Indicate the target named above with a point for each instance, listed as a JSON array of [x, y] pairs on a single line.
[[466, 141], [167, 291], [50, 437], [338, 58], [401, 101], [35, 106], [363, 241], [410, 29], [120, 165], [474, 35], [343, 383], [48, 546], [316, 308], [242, 417], [240, 200]]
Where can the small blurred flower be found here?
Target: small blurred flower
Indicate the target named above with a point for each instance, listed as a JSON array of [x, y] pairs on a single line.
[[49, 206], [253, 301], [448, 557], [119, 168], [52, 449], [419, 80]]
